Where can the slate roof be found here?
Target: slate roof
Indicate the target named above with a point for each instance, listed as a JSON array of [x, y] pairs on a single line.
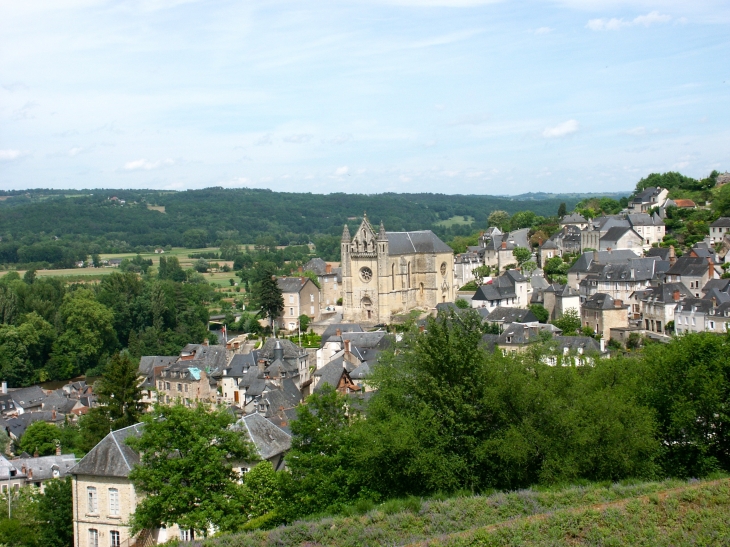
[[644, 219], [600, 301], [664, 293], [613, 235], [538, 281], [695, 304], [689, 266], [147, 363], [368, 340], [722, 222], [424, 241], [722, 285], [332, 372], [268, 439], [491, 292], [342, 327], [112, 457], [291, 351], [212, 358], [28, 397], [17, 425], [42, 468], [59, 403], [660, 252], [511, 315], [291, 284], [585, 260], [549, 244], [318, 266], [647, 195], [6, 403], [573, 218], [574, 342]]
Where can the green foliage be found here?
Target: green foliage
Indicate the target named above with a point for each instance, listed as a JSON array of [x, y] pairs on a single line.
[[555, 266], [470, 287], [266, 294], [480, 273], [540, 312], [313, 276], [55, 514], [562, 210], [569, 322], [40, 436], [260, 493], [186, 470], [462, 304], [303, 322], [500, 219]]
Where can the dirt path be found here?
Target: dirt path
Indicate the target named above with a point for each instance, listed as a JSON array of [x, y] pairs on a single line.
[[662, 495]]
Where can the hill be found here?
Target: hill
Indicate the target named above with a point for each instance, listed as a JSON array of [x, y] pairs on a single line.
[[663, 513]]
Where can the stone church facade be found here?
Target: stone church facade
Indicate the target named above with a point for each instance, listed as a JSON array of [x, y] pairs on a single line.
[[388, 273]]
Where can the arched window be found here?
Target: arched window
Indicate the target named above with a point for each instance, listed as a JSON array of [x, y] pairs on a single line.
[[421, 289]]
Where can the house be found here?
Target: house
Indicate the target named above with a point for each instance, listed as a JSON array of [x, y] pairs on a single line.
[[546, 251], [693, 315], [28, 399], [184, 383], [574, 219], [151, 366], [659, 303], [650, 227], [329, 279], [558, 299], [621, 280], [648, 199], [114, 262], [499, 248], [37, 471], [505, 316], [389, 273], [464, 266], [509, 289], [301, 297], [573, 350], [719, 228], [685, 204], [271, 441], [587, 260], [159, 251], [15, 426], [601, 313], [336, 373], [694, 272], [620, 238], [517, 337]]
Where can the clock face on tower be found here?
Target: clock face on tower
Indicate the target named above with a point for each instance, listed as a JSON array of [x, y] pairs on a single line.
[[366, 274], [443, 268]]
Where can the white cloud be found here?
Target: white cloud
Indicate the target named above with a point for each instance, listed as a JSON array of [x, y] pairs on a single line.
[[340, 171], [680, 165], [146, 165], [75, 150], [617, 24], [342, 138], [561, 130], [301, 138], [440, 3], [543, 30], [10, 155], [637, 131]]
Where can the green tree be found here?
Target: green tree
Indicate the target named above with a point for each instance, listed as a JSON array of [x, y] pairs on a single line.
[[267, 294], [562, 210], [195, 238], [186, 470], [540, 312], [569, 322], [500, 219], [40, 436], [523, 219], [55, 514], [480, 272], [303, 322], [87, 336], [313, 276], [522, 255], [260, 493], [228, 249], [462, 304]]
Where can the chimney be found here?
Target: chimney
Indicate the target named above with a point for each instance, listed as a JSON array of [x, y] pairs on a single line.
[[602, 343], [618, 303], [206, 342], [609, 250], [301, 269], [328, 268], [676, 295], [347, 346], [53, 414], [5, 387], [338, 332], [672, 255], [35, 455], [58, 449], [261, 365], [278, 351], [595, 256], [710, 268], [504, 244]]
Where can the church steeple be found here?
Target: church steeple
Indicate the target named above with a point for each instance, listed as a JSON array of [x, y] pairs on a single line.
[[346, 235], [381, 234]]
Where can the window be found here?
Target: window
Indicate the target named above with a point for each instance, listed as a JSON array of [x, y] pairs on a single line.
[[113, 501], [93, 538], [179, 387], [311, 310], [335, 285], [291, 311], [291, 299], [186, 388], [326, 279], [114, 540], [311, 297], [92, 505], [167, 385], [187, 535], [712, 325]]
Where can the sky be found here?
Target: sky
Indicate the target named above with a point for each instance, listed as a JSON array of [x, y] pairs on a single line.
[[366, 96]]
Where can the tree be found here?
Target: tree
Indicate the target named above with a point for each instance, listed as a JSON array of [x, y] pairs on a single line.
[[529, 267], [522, 255], [267, 294], [523, 219], [500, 219], [303, 322], [462, 304], [195, 238], [118, 391], [186, 468], [201, 265], [55, 514], [41, 437], [540, 312], [228, 249], [562, 210], [569, 322], [260, 493], [313, 276], [480, 273]]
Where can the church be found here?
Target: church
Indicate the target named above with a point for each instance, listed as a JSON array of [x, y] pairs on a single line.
[[389, 273]]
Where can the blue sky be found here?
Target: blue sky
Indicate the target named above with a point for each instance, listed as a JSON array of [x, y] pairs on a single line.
[[452, 96]]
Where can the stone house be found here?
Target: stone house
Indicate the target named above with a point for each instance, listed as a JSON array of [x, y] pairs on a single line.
[[718, 229], [693, 315], [499, 248], [648, 199], [574, 219], [330, 281], [558, 299], [601, 313], [659, 303], [650, 227], [33, 470], [510, 289], [621, 280], [621, 238], [694, 272], [301, 297], [464, 265], [587, 261], [390, 273]]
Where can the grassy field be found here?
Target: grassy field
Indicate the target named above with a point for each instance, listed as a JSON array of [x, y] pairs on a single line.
[[455, 220], [667, 513]]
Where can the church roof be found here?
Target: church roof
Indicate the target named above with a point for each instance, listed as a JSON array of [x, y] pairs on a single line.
[[424, 241]]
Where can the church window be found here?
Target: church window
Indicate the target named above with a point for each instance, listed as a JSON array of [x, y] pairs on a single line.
[[366, 274], [443, 268]]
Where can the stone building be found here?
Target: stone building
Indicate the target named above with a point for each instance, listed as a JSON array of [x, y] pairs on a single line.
[[330, 281], [301, 297], [387, 273], [602, 313]]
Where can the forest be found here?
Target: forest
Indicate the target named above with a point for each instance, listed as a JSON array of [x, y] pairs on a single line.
[[45, 228]]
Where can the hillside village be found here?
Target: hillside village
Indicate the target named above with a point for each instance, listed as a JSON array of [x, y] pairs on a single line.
[[608, 276]]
